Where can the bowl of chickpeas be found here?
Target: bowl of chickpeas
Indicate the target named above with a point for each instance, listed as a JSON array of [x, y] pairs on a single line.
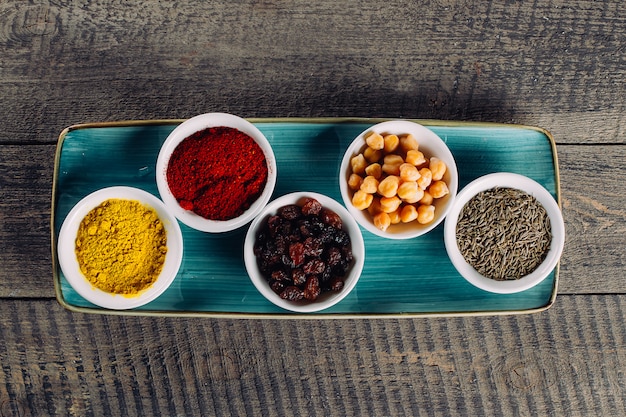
[[398, 179]]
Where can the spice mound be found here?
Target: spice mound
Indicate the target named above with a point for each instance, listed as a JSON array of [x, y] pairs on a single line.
[[121, 246], [217, 173], [504, 233], [303, 251]]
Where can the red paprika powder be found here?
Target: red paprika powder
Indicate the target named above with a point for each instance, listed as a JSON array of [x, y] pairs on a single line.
[[217, 172]]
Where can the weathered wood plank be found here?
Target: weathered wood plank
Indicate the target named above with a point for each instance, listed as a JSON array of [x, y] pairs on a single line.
[[593, 194], [558, 65], [594, 206], [566, 361], [26, 188]]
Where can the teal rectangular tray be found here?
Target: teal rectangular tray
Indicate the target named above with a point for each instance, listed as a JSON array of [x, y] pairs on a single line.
[[400, 278]]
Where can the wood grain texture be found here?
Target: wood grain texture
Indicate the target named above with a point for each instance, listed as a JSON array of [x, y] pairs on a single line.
[[559, 65], [25, 190], [594, 207], [566, 361]]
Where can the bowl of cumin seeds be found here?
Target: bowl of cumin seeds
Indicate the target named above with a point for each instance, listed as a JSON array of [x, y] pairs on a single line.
[[504, 233]]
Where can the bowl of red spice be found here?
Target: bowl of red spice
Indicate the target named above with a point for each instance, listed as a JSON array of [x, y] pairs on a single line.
[[120, 248], [504, 233], [304, 252], [216, 172]]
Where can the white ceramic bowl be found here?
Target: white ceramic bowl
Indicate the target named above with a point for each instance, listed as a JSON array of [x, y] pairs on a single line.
[[430, 145], [327, 299], [69, 263], [523, 183], [188, 128]]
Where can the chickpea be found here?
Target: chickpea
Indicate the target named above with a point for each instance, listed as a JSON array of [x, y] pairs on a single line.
[[425, 214], [375, 207], [427, 199], [437, 167], [372, 155], [389, 186], [391, 143], [438, 189], [409, 192], [416, 158], [375, 141], [418, 197], [390, 204], [358, 164], [393, 159], [355, 181], [391, 164], [409, 143], [382, 221], [408, 172], [394, 216], [408, 213], [375, 170], [391, 169], [369, 185], [362, 200], [425, 178]]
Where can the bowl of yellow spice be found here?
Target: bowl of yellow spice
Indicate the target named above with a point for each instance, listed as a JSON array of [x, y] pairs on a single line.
[[120, 248]]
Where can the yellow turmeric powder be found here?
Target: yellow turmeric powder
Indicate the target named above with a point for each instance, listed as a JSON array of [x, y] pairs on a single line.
[[121, 246]]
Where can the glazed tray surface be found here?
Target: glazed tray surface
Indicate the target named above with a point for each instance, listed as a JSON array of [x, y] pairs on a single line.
[[400, 278]]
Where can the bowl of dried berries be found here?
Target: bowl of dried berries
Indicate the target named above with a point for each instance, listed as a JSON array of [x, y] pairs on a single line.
[[216, 172], [304, 252], [504, 233], [398, 179]]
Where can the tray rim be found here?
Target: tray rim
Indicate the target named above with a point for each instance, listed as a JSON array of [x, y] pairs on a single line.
[[290, 315]]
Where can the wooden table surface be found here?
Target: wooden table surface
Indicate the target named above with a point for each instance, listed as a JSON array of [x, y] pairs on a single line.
[[558, 65]]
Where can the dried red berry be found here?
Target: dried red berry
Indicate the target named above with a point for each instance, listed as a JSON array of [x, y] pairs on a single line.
[[277, 286], [312, 288], [290, 212], [336, 284], [314, 267], [313, 247], [298, 277], [331, 218], [292, 293], [296, 253], [311, 207], [280, 275], [333, 256]]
